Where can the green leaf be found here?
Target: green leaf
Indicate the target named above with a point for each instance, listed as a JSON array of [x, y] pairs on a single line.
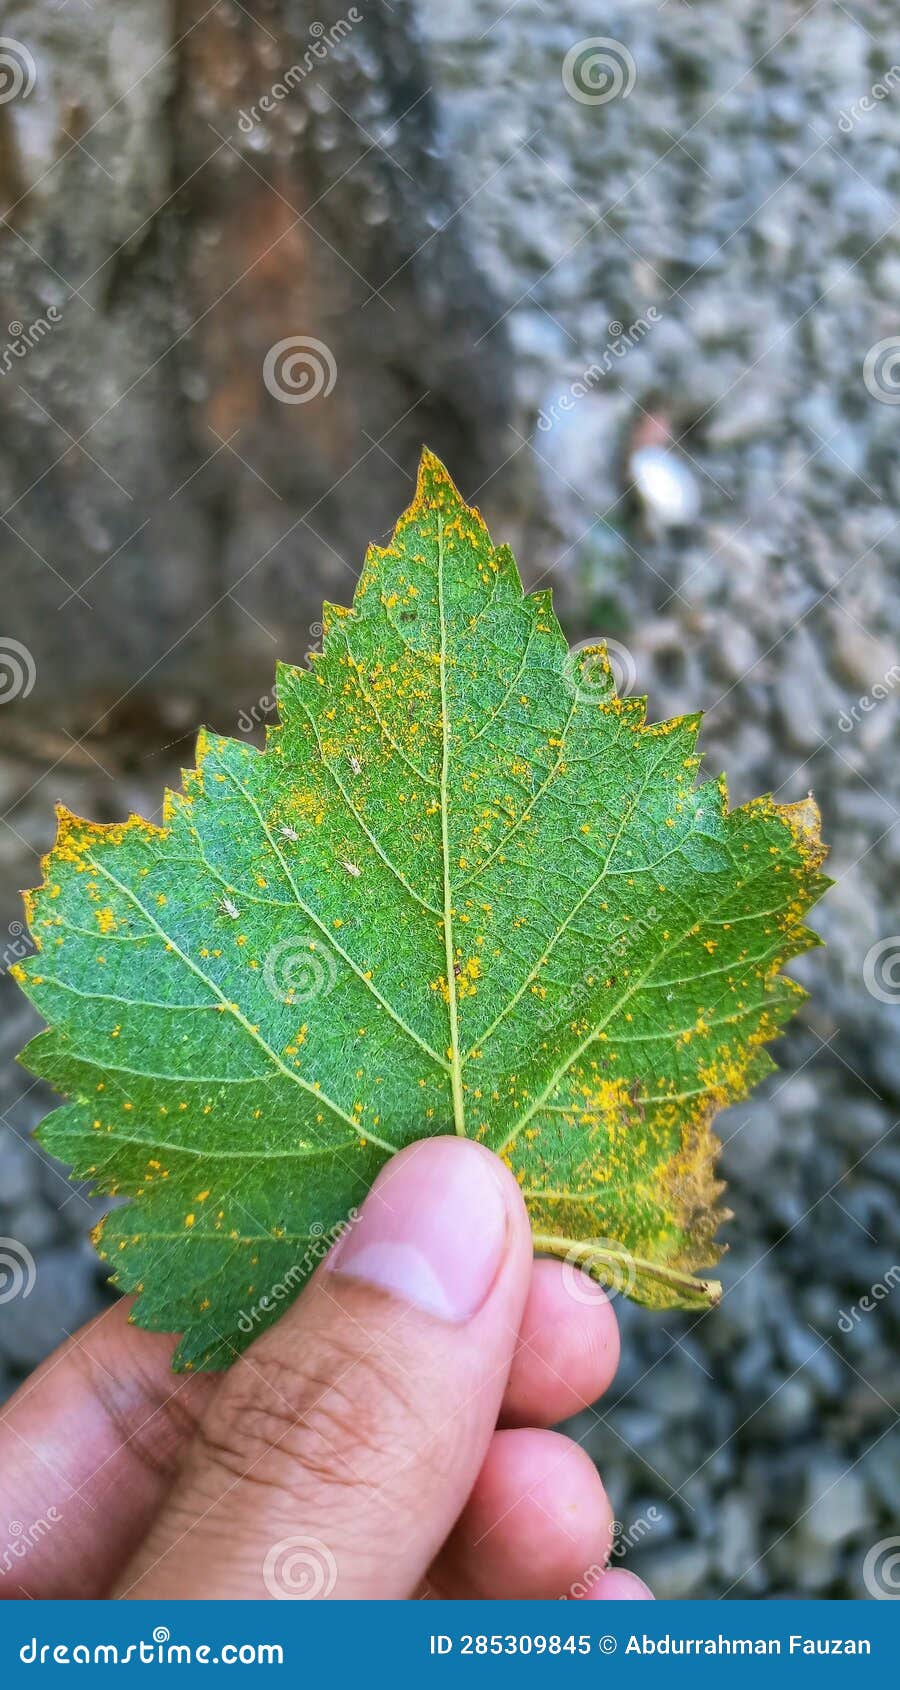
[[464, 889]]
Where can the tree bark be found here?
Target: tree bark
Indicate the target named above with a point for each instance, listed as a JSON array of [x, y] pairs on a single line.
[[187, 187]]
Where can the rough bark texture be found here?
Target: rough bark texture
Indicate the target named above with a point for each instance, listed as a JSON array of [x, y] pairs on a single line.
[[176, 239]]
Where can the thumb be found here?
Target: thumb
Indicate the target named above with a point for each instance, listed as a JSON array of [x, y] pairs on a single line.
[[339, 1451]]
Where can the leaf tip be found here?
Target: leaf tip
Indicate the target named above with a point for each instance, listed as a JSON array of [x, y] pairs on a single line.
[[434, 486], [804, 822]]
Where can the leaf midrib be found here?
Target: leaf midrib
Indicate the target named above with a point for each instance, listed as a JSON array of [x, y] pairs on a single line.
[[456, 1086]]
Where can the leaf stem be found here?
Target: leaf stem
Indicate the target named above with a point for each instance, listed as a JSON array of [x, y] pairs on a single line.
[[711, 1289]]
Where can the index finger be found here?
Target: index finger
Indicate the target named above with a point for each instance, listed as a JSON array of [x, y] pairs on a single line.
[[89, 1447]]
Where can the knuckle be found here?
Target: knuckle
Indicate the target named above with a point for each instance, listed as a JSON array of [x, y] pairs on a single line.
[[155, 1437], [338, 1417]]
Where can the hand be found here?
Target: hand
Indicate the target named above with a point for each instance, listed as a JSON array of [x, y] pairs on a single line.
[[354, 1450]]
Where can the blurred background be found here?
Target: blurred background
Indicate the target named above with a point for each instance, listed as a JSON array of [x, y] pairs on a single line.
[[633, 271]]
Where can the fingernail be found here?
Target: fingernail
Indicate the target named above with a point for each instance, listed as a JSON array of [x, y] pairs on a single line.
[[617, 1585], [432, 1230]]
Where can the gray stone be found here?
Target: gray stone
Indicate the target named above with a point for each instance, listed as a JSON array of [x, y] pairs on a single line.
[[36, 1226], [749, 410], [19, 1173], [750, 1142], [807, 1566], [816, 1363], [666, 487], [675, 1571], [61, 1299], [750, 1365], [737, 1533], [837, 1508], [788, 1409]]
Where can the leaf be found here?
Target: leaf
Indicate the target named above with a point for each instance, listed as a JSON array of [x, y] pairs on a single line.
[[465, 888]]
